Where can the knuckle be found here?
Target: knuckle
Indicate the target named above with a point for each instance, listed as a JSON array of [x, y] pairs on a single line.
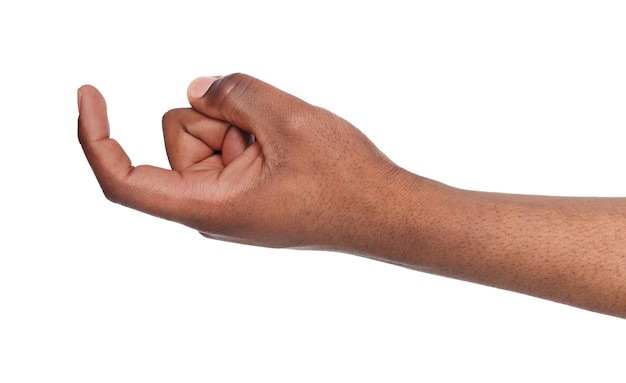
[[112, 195], [115, 188], [167, 117], [170, 117], [227, 92], [226, 85]]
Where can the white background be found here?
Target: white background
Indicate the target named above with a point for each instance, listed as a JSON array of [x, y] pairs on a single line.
[[523, 97]]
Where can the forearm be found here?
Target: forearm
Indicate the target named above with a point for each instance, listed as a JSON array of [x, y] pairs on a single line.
[[569, 250]]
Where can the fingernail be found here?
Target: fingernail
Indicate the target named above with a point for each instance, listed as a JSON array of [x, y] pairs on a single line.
[[199, 86]]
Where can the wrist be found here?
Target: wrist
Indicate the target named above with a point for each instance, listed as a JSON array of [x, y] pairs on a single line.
[[397, 218]]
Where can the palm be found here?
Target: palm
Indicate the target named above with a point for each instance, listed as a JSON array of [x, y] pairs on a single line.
[[214, 157]]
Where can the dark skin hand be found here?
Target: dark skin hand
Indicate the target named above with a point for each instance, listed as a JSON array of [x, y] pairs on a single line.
[[252, 164], [266, 193]]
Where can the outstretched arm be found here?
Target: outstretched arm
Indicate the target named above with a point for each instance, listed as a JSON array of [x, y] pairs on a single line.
[[309, 179]]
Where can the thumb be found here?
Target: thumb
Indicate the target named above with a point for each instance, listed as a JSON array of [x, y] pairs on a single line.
[[246, 102]]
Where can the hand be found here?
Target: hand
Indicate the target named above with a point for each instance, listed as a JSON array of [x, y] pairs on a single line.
[[250, 164]]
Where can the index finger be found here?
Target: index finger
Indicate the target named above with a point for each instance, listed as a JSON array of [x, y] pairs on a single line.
[[150, 189]]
